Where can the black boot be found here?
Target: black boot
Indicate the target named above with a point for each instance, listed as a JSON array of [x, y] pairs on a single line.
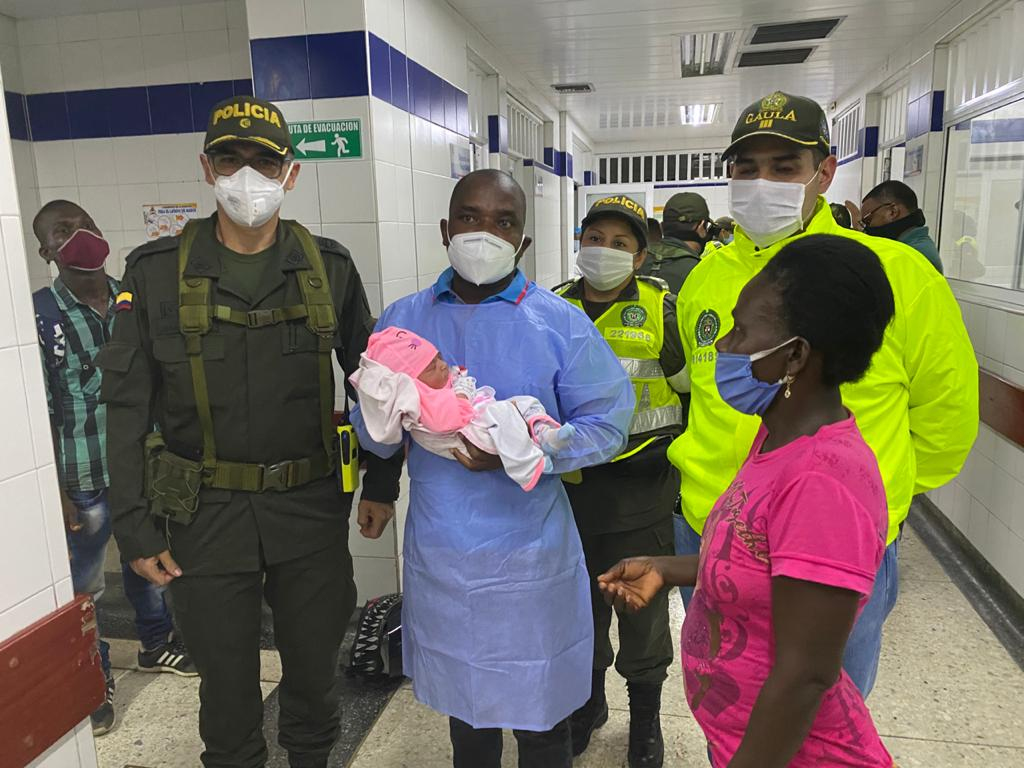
[[591, 716], [646, 746]]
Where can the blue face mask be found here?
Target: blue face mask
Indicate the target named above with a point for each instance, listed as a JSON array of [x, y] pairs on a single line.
[[737, 384], [728, 239]]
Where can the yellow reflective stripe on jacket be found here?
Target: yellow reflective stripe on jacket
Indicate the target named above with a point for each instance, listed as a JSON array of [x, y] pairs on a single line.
[[641, 369], [917, 407], [656, 418]]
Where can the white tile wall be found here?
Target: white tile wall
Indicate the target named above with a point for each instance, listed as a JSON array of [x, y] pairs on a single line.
[[204, 16], [277, 18], [161, 21], [440, 40], [191, 43], [986, 502], [361, 241], [118, 24], [122, 61], [337, 15], [545, 215], [375, 576]]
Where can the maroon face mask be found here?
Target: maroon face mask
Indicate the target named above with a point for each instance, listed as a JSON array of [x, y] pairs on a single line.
[[85, 251]]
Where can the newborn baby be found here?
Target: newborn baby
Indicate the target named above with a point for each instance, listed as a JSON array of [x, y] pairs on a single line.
[[404, 384]]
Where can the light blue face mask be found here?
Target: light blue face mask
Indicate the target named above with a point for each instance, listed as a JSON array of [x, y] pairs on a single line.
[[737, 385], [728, 239]]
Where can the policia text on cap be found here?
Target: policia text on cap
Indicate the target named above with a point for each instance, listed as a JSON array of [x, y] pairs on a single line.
[[223, 338]]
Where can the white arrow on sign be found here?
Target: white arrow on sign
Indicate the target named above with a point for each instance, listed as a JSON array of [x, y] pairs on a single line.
[[305, 147]]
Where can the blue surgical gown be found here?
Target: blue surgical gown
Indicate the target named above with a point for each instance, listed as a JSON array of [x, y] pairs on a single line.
[[496, 618]]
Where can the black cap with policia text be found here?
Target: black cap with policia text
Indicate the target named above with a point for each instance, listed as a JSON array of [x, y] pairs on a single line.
[[246, 118], [620, 206], [794, 118]]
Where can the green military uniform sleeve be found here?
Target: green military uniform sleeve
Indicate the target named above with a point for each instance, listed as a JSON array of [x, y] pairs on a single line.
[[355, 324], [943, 374], [672, 358], [128, 390]]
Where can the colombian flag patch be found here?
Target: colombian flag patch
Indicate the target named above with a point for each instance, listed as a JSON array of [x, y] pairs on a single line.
[[124, 302]]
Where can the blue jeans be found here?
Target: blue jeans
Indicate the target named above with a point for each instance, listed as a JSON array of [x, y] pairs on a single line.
[[88, 549], [864, 647], [687, 543]]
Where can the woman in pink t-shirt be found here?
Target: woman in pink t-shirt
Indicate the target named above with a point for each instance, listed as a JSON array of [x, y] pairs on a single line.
[[790, 551]]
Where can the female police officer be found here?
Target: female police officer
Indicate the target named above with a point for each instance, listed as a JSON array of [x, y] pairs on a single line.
[[625, 506]]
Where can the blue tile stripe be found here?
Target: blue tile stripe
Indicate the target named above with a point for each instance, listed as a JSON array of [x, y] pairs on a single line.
[[116, 112], [588, 178], [325, 66], [17, 115], [411, 87], [925, 114], [528, 162], [497, 134], [693, 184], [560, 161], [870, 141], [355, 63]]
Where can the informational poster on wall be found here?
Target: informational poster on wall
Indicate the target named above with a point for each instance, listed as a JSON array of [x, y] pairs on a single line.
[[167, 219], [914, 163], [460, 159]]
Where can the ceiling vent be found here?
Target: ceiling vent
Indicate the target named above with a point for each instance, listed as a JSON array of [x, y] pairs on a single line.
[[705, 53], [699, 114], [791, 32], [774, 58], [573, 87]]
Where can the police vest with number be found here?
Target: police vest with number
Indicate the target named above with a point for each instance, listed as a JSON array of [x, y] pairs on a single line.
[[635, 330]]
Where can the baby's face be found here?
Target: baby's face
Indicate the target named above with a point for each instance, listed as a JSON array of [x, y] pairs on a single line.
[[436, 375]]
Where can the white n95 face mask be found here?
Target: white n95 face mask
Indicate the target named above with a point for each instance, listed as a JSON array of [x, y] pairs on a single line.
[[482, 258], [604, 268], [248, 197], [768, 211]]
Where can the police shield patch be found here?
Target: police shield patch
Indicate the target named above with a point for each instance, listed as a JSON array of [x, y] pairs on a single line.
[[708, 326], [634, 316]]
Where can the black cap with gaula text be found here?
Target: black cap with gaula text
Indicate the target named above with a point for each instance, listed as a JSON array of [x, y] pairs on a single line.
[[794, 118], [246, 118]]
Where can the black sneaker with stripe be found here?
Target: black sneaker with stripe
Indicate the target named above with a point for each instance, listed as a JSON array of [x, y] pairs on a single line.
[[172, 657], [103, 718]]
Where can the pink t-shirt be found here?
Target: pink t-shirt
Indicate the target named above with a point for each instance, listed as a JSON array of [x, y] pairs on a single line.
[[813, 510]]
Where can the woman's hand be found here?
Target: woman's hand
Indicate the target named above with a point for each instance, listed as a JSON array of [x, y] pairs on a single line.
[[631, 584], [474, 459]]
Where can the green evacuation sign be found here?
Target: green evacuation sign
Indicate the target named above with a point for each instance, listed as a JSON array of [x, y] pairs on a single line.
[[327, 139]]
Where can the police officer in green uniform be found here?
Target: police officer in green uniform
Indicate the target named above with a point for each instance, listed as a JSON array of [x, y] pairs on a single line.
[[624, 508], [685, 232], [223, 452]]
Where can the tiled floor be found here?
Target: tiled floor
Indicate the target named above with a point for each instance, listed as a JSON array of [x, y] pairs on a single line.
[[948, 696]]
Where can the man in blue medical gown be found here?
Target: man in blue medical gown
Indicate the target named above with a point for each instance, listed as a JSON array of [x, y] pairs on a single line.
[[496, 620]]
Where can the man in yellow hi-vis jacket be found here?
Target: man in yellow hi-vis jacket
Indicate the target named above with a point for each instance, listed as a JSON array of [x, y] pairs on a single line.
[[918, 404]]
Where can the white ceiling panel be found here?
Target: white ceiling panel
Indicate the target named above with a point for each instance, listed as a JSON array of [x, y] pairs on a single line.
[[30, 9], [630, 52]]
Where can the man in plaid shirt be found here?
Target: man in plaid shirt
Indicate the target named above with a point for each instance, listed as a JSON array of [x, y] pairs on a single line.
[[74, 319]]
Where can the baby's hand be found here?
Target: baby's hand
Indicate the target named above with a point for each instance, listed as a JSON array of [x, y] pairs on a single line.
[[552, 441]]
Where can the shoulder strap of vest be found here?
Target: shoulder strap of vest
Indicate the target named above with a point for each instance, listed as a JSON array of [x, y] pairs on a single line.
[[561, 288], [654, 282], [321, 320], [194, 322]]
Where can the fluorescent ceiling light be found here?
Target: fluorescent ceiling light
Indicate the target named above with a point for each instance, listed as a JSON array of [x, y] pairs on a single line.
[[705, 53], [699, 114]]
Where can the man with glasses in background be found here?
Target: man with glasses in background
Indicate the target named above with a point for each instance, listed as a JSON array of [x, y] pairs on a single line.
[[223, 339]]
